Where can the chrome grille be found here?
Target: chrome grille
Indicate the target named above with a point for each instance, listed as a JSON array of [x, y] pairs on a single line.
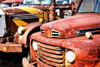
[[42, 31], [50, 55], [55, 33]]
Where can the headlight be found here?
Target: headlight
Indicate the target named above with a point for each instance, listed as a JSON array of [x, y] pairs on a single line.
[[34, 45], [70, 56], [21, 29]]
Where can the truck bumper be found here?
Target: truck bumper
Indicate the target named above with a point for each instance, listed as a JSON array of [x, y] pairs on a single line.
[[10, 47]]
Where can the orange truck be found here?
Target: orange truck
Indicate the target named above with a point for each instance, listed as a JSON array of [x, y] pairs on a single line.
[[19, 22], [69, 42]]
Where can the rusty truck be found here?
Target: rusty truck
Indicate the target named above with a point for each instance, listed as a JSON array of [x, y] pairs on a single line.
[[19, 22], [69, 42]]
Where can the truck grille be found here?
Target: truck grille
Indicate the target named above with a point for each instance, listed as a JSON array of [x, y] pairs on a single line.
[[50, 55]]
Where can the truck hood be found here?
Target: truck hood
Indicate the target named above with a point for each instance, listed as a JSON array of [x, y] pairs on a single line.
[[29, 9], [68, 27], [22, 15]]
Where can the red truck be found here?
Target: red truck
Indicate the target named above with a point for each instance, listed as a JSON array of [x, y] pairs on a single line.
[[69, 42]]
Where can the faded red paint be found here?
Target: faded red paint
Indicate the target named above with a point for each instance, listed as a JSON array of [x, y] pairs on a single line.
[[85, 49]]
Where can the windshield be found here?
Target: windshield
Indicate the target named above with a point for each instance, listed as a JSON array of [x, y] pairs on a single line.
[[89, 6], [63, 1], [34, 2]]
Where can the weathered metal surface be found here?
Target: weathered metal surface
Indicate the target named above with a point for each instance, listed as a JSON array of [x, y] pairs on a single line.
[[83, 47], [50, 63], [68, 26], [10, 47], [51, 55], [46, 46], [50, 50], [50, 59], [51, 13], [14, 22], [86, 50], [42, 39], [23, 39]]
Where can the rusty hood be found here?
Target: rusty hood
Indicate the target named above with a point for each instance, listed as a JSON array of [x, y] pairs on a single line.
[[28, 9], [67, 27]]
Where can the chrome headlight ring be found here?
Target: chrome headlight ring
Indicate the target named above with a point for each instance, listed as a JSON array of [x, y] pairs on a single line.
[[70, 56], [34, 45]]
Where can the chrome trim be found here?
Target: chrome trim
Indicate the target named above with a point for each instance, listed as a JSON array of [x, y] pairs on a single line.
[[42, 31], [54, 32]]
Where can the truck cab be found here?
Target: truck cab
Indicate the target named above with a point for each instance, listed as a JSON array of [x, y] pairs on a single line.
[[69, 42]]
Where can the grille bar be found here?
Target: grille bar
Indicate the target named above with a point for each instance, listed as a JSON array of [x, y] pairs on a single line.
[[50, 47], [50, 63], [50, 51], [50, 59], [50, 55]]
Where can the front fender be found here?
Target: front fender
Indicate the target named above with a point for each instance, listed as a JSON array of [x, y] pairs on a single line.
[[23, 39], [84, 48]]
